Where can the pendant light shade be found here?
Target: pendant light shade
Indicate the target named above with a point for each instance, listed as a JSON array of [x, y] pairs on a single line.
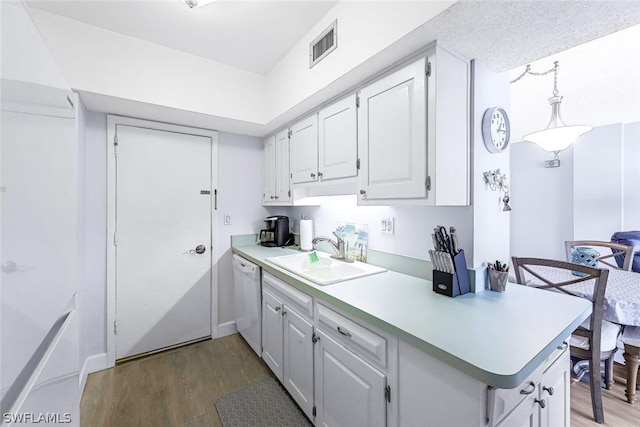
[[196, 3], [557, 136]]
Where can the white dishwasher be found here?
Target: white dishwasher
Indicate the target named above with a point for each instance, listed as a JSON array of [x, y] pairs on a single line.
[[248, 302]]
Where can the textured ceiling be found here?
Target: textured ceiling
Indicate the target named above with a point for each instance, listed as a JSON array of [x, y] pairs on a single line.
[[507, 34], [250, 35]]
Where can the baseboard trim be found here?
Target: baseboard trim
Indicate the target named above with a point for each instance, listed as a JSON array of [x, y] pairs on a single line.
[[92, 364], [227, 328]]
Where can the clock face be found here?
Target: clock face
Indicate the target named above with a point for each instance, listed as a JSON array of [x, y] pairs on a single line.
[[496, 130]]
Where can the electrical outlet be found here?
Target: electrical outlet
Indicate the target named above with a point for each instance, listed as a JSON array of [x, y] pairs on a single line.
[[387, 226], [227, 219]]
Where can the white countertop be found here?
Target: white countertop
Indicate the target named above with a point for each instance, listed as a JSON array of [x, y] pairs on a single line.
[[496, 338]]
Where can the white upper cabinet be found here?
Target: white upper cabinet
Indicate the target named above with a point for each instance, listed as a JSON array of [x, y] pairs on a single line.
[[338, 140], [392, 135], [269, 170], [413, 134], [276, 188], [304, 150]]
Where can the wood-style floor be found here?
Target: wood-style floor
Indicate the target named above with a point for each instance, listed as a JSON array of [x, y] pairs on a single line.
[[174, 388], [179, 388]]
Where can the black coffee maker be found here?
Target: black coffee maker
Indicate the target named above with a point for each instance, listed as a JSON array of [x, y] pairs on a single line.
[[277, 232]]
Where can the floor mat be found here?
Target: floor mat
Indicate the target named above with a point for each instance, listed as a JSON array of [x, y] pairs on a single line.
[[266, 404]]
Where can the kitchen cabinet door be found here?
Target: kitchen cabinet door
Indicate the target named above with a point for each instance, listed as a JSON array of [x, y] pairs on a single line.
[[298, 359], [283, 186], [338, 140], [348, 391], [392, 135], [272, 334], [269, 170], [304, 150], [526, 414], [554, 390]]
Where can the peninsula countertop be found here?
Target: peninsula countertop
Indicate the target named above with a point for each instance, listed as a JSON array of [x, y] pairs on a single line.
[[496, 338]]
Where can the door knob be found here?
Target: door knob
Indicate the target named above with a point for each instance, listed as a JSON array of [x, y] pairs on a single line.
[[200, 249]]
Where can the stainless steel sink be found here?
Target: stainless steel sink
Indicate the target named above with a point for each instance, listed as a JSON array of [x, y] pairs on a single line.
[[325, 270]]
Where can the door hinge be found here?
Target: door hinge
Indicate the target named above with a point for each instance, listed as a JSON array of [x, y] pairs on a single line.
[[357, 102], [387, 393], [115, 328], [428, 70], [315, 338], [289, 193], [215, 199], [427, 183], [290, 133], [313, 411], [358, 164], [115, 146], [115, 238]]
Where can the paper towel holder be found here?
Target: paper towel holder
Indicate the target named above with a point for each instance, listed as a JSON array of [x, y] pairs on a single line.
[[305, 244]]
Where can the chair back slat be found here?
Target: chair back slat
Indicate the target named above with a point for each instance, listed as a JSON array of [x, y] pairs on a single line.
[[616, 249], [599, 276]]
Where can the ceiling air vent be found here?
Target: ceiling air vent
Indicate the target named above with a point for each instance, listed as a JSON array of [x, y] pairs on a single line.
[[324, 44]]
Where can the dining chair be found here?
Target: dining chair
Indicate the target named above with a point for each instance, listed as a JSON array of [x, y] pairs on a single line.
[[631, 341], [617, 251], [595, 339]]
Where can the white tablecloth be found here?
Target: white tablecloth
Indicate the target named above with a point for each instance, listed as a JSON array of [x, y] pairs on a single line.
[[622, 297]]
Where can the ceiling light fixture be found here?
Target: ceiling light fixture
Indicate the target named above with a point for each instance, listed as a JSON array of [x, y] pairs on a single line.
[[196, 3], [557, 136]]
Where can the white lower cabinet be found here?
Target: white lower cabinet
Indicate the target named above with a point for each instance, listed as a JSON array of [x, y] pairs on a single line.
[[298, 359], [349, 391], [272, 334], [287, 340]]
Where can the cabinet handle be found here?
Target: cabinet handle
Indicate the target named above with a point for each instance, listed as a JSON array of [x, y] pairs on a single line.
[[541, 402], [313, 175], [563, 346], [284, 312], [548, 390], [363, 192], [277, 308], [345, 333], [271, 197], [319, 174], [276, 197], [533, 388]]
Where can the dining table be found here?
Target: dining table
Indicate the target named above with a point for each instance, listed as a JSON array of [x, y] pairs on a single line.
[[621, 306]]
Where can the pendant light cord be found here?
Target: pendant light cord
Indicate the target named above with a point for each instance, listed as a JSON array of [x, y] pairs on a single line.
[[555, 68]]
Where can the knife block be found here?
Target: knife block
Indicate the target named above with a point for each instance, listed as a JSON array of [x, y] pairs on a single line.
[[453, 285]]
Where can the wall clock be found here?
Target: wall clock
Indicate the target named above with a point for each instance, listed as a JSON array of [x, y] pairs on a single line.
[[496, 130]]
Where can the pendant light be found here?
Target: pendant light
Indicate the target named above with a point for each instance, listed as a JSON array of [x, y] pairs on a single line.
[[557, 136], [196, 3]]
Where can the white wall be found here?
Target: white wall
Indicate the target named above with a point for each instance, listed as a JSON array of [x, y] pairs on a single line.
[[92, 290], [490, 224], [597, 183], [413, 224], [25, 57], [594, 193], [104, 62], [239, 195], [364, 29], [542, 202], [631, 189]]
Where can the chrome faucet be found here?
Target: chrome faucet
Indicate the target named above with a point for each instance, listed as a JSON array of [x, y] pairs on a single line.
[[338, 247]]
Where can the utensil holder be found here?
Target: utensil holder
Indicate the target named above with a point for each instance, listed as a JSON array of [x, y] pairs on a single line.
[[498, 280], [453, 285]]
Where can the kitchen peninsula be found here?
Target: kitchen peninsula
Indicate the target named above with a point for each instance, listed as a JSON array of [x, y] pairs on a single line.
[[447, 360]]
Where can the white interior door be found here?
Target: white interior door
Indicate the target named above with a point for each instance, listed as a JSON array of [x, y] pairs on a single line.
[[163, 212]]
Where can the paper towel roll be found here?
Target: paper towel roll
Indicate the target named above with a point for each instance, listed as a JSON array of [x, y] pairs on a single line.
[[306, 234]]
